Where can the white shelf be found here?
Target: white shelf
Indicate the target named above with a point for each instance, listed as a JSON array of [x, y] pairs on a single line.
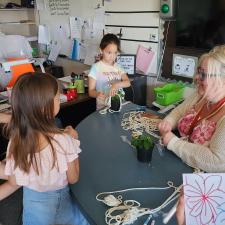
[[17, 23], [32, 38], [19, 9]]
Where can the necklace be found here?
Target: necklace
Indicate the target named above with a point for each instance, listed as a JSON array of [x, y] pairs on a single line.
[[205, 115]]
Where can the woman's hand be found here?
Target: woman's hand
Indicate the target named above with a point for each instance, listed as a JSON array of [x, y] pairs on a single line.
[[164, 127], [166, 137], [72, 132], [180, 210], [113, 90]]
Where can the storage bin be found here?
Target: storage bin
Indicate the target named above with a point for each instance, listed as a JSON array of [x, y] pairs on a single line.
[[169, 93]]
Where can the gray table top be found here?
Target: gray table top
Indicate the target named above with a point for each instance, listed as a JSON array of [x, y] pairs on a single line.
[[108, 164]]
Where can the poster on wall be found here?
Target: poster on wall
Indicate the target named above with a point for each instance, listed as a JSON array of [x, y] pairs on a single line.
[[184, 65], [59, 7], [127, 62]]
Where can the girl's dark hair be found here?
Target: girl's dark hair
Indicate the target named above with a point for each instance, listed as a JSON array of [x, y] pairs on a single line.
[[109, 39], [32, 115]]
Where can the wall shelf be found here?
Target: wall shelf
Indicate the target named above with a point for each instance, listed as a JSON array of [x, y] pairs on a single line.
[[18, 23], [19, 9]]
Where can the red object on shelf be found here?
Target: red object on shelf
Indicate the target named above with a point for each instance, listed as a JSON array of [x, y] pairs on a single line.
[[71, 94]]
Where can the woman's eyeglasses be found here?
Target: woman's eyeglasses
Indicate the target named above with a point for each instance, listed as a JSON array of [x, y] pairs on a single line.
[[201, 73]]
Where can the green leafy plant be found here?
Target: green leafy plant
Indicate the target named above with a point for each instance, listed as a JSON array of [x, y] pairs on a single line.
[[115, 98], [143, 141]]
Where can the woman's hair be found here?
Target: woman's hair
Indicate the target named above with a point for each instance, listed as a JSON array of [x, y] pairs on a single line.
[[216, 61], [32, 115], [215, 64], [109, 39]]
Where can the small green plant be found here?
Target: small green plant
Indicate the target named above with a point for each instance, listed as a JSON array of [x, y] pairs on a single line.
[[143, 141], [115, 98]]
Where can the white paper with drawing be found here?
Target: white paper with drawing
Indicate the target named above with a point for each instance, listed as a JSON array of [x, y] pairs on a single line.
[[184, 65], [204, 196]]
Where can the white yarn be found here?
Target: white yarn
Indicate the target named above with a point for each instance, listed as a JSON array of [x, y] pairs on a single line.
[[111, 200], [129, 215], [132, 209], [137, 123]]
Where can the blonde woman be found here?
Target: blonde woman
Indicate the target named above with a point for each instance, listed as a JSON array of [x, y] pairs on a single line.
[[200, 119]]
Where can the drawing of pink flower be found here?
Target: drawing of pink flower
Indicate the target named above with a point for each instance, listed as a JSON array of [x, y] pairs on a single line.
[[203, 196]]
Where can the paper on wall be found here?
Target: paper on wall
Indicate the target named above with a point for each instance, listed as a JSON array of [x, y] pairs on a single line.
[[204, 197], [55, 49], [92, 52], [86, 30], [184, 65], [61, 34], [83, 52], [76, 24], [98, 24], [40, 4], [43, 35], [144, 59], [99, 18]]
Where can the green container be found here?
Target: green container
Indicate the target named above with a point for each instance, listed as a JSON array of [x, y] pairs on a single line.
[[80, 86], [169, 93], [34, 52]]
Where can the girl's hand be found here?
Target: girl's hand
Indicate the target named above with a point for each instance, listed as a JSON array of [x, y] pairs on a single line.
[[72, 132], [164, 127], [113, 90], [180, 210], [167, 137], [100, 95]]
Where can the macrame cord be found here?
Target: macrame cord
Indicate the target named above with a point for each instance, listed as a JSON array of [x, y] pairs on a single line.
[[137, 123], [127, 212]]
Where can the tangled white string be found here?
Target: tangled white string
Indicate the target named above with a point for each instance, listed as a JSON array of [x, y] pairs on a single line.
[[137, 123], [131, 211], [127, 212]]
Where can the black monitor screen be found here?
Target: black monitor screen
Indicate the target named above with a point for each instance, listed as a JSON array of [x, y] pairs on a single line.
[[200, 23]]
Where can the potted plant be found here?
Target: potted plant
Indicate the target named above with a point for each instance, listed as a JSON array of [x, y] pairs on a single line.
[[144, 145], [116, 101]]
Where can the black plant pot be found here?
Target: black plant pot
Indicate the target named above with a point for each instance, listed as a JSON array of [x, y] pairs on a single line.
[[115, 105], [144, 155]]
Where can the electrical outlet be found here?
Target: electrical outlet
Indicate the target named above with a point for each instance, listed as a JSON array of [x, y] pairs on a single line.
[[152, 37]]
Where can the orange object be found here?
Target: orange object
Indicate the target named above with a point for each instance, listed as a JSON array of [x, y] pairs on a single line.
[[18, 70]]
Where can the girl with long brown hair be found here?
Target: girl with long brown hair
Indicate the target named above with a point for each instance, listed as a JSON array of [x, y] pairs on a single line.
[[40, 157]]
